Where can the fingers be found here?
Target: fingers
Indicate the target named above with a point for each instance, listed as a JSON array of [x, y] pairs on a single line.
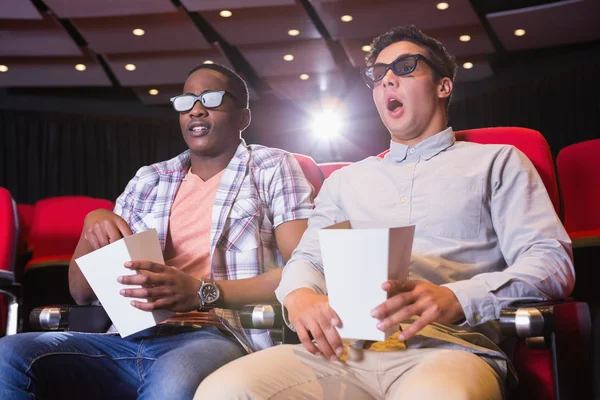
[[156, 278], [326, 321], [311, 314], [104, 227], [102, 234], [157, 297], [111, 231], [402, 314], [305, 339], [161, 304], [331, 338], [147, 266], [394, 286], [321, 338], [393, 304], [425, 319], [331, 315], [91, 238], [318, 322], [150, 280], [157, 292], [123, 227]]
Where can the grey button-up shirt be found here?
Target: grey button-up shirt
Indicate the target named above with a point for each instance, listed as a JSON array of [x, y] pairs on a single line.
[[485, 226]]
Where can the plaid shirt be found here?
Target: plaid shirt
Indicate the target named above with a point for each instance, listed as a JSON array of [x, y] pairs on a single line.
[[260, 189]]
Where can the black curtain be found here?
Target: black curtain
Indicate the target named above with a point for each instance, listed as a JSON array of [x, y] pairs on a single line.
[[563, 106], [50, 154], [44, 154]]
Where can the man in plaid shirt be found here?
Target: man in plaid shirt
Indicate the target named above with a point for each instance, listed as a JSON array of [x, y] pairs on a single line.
[[227, 216]]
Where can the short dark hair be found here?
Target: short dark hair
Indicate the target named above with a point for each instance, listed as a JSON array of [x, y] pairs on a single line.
[[238, 85], [436, 52]]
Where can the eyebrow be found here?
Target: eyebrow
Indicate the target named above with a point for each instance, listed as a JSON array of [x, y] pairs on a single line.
[[400, 56], [206, 91]]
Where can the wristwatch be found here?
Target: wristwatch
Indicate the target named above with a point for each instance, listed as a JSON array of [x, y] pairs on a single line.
[[208, 294]]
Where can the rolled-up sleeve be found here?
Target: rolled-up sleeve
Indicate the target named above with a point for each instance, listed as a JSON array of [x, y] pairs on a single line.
[[291, 193], [305, 267], [532, 239], [125, 202]]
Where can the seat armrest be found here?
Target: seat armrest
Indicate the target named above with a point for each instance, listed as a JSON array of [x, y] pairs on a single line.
[[262, 316], [268, 316], [590, 238], [8, 284], [586, 255], [89, 319], [565, 329], [528, 320]]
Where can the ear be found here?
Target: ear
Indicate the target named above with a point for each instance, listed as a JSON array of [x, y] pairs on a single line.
[[445, 87], [245, 118]]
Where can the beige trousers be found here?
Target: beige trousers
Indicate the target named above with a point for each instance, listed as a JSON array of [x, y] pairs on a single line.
[[291, 372]]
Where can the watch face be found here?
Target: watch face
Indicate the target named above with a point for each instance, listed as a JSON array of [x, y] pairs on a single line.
[[210, 293]]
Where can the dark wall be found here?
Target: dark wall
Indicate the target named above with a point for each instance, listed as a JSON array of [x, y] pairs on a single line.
[[60, 146]]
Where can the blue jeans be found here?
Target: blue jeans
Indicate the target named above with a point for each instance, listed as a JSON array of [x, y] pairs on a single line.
[[163, 362]]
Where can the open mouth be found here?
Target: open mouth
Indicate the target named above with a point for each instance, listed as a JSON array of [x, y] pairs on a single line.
[[198, 128], [394, 105]]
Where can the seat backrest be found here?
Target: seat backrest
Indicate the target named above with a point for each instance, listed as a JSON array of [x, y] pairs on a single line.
[[311, 171], [25, 215], [9, 232], [328, 168], [578, 167], [530, 142], [534, 366], [58, 222]]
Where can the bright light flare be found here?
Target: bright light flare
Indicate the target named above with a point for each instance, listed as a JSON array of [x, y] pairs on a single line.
[[327, 124]]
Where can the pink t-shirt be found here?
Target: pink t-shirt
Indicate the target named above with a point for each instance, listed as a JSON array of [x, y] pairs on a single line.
[[188, 239]]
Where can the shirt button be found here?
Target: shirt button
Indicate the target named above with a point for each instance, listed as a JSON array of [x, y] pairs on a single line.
[[477, 317], [411, 151], [404, 199]]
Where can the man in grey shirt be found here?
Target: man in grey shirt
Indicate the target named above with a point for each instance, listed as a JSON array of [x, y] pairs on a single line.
[[486, 236]]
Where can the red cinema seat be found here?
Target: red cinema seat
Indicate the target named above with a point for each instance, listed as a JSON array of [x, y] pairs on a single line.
[[311, 171], [330, 168], [9, 289], [545, 373], [57, 226]]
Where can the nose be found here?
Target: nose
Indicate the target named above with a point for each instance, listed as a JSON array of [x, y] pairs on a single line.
[[197, 110], [389, 79]]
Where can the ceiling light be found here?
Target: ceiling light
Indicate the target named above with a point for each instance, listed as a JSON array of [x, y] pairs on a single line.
[[209, 62], [464, 38], [293, 32], [3, 68], [346, 18], [225, 13], [153, 92], [366, 48], [288, 57], [442, 6], [139, 32], [520, 32], [130, 67], [80, 67], [468, 65], [304, 77]]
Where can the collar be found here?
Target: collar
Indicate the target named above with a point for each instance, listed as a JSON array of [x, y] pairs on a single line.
[[183, 162], [427, 149], [243, 150]]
